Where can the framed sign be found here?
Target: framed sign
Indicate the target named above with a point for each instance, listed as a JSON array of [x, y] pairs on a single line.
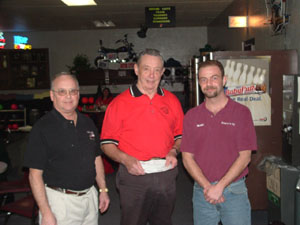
[[160, 16]]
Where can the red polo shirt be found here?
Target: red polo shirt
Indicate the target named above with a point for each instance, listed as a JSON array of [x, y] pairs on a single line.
[[142, 127]]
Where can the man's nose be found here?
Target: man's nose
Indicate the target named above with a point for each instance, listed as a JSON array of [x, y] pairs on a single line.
[[210, 81], [152, 72], [68, 95]]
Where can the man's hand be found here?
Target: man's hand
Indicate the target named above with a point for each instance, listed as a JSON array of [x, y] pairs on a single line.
[[48, 219], [133, 166], [171, 158], [214, 194], [103, 201]]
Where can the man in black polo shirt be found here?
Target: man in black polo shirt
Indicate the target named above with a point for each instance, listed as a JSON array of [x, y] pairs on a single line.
[[64, 159]]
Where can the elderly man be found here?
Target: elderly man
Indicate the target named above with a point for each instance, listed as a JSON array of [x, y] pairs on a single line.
[[64, 159], [218, 137], [142, 131]]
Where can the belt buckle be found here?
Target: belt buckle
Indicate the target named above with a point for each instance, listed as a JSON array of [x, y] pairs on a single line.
[[78, 193], [61, 190]]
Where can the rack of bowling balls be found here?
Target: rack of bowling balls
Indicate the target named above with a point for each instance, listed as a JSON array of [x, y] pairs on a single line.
[[12, 116], [87, 104]]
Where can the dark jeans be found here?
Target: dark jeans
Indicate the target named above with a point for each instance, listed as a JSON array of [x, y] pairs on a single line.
[[147, 198]]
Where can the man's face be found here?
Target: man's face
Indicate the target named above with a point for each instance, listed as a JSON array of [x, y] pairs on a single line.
[[149, 71], [67, 103], [211, 81]]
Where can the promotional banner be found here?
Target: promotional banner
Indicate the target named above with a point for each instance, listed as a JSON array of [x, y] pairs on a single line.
[[248, 84]]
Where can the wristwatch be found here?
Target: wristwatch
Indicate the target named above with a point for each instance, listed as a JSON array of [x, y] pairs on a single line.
[[103, 190]]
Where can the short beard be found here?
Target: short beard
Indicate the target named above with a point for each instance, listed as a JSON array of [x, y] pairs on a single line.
[[211, 95]]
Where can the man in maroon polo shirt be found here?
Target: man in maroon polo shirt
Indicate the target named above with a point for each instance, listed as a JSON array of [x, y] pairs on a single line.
[[218, 137], [142, 131]]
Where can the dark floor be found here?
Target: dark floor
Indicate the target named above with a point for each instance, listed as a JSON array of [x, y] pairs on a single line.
[[182, 214]]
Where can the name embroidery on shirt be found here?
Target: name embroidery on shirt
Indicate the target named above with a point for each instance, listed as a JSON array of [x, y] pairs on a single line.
[[91, 135], [200, 125], [228, 123]]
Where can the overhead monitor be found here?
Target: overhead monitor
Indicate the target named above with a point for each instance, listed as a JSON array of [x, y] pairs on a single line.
[[163, 16]]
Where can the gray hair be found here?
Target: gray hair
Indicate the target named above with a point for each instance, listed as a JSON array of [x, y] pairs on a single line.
[[150, 51], [53, 78]]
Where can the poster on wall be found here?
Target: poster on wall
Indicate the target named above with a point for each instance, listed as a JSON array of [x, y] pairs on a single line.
[[248, 83]]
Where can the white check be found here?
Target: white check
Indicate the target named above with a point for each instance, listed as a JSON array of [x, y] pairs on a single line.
[[155, 166]]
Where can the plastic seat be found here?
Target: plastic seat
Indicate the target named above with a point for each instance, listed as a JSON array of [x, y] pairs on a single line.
[[24, 206]]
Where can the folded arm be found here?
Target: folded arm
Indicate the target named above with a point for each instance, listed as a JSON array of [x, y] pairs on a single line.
[[214, 192]]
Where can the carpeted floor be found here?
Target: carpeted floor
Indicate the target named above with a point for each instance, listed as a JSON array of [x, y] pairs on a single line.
[[182, 213]]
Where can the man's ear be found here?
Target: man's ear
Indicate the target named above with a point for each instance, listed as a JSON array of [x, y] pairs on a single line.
[[136, 69], [51, 95], [224, 80]]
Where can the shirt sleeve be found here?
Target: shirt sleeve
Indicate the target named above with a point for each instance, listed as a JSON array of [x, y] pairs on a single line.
[[246, 137], [36, 154], [112, 123], [179, 120], [186, 143]]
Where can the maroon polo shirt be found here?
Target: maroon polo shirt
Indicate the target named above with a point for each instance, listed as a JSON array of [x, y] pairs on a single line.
[[216, 140], [142, 127]]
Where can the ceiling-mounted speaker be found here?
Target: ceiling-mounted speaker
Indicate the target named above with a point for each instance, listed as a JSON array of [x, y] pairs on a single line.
[[142, 32]]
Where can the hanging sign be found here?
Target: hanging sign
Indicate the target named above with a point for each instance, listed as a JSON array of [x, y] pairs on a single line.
[[21, 43], [160, 16], [2, 41], [248, 83]]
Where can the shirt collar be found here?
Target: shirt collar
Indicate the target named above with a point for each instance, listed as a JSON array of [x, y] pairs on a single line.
[[60, 117], [135, 92]]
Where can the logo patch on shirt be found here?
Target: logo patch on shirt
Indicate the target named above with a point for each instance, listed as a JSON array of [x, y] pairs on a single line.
[[165, 109], [200, 125], [228, 123], [91, 135]]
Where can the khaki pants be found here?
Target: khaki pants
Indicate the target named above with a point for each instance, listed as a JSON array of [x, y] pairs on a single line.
[[73, 210]]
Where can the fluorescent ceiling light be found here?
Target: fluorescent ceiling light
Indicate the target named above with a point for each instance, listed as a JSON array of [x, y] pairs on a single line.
[[103, 23], [79, 2], [237, 21]]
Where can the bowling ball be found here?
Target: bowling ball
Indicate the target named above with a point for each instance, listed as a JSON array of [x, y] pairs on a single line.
[[1, 106], [9, 126], [15, 126], [91, 100], [91, 107], [79, 108], [21, 106], [14, 106], [84, 100]]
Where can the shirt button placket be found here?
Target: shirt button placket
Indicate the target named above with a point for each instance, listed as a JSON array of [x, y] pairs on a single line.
[[151, 107]]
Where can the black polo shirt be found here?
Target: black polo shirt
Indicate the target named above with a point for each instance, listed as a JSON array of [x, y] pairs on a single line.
[[65, 153]]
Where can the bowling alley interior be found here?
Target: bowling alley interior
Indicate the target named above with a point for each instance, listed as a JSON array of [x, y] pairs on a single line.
[[256, 41]]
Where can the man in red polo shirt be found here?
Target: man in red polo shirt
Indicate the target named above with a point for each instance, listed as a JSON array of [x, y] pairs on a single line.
[[142, 131]]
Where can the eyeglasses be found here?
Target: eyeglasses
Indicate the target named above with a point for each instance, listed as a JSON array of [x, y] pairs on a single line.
[[64, 92]]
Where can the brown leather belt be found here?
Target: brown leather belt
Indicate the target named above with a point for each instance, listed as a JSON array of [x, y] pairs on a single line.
[[67, 191]]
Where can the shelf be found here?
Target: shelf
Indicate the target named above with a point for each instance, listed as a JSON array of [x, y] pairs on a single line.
[[12, 110], [11, 116], [24, 69], [14, 120]]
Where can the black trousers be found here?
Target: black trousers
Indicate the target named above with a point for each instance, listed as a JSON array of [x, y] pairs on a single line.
[[147, 198]]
